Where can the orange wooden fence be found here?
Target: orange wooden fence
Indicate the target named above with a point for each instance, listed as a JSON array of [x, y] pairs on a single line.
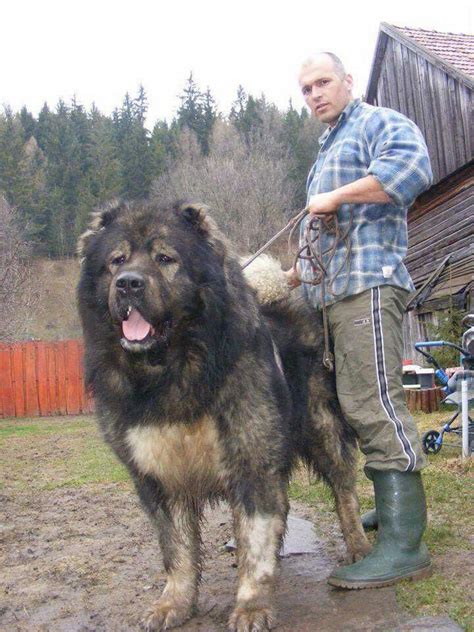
[[42, 378]]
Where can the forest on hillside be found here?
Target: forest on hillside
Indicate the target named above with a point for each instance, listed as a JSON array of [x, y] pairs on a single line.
[[249, 164]]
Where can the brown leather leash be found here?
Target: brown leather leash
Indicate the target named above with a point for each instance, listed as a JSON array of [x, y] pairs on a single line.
[[293, 224]]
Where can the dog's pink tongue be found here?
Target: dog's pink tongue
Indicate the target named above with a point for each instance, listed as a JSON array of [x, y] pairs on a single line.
[[135, 327]]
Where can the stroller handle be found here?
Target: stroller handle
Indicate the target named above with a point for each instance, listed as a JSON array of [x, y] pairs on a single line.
[[439, 343]]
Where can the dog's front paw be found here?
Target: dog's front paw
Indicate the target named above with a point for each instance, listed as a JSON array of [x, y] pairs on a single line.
[[165, 614], [251, 618]]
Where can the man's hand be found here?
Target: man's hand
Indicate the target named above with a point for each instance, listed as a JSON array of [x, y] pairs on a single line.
[[324, 205], [292, 278]]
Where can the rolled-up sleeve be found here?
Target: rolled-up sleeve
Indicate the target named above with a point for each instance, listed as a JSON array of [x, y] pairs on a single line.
[[399, 157]]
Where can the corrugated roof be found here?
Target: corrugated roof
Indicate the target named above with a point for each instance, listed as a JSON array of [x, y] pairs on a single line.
[[456, 49]]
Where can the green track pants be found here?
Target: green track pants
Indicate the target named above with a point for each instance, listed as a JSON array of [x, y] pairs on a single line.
[[368, 345]]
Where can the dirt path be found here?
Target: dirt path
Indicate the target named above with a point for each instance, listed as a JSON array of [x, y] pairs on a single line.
[[85, 559], [77, 554]]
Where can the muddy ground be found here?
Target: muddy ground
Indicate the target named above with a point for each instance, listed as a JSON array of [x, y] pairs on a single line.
[[84, 558]]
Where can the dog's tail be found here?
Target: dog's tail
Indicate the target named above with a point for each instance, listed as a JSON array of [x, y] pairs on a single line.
[[266, 277]]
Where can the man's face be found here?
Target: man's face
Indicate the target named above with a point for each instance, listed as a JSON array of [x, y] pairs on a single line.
[[326, 93]]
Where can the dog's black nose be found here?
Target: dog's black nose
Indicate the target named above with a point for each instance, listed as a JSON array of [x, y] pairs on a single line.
[[130, 283]]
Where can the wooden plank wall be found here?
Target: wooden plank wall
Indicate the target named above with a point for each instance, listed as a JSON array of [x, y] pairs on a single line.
[[440, 105], [439, 230], [415, 329], [42, 379]]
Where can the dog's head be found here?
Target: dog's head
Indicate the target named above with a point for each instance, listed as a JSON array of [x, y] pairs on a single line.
[[145, 269]]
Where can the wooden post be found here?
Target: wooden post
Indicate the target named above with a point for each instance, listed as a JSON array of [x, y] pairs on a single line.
[[424, 400]]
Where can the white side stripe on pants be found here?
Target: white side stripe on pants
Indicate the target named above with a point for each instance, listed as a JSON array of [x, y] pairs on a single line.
[[383, 382]]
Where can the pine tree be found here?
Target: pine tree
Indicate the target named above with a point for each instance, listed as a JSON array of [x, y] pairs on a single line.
[[44, 126], [300, 134], [246, 115], [189, 112], [238, 107], [291, 137], [163, 147], [62, 147], [197, 112], [82, 131], [133, 145], [140, 106], [105, 177], [209, 117], [28, 123], [31, 202], [11, 154], [22, 174]]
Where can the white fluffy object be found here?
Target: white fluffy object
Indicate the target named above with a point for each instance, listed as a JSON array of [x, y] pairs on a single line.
[[267, 278]]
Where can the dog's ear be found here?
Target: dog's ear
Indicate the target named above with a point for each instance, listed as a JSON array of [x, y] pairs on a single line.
[[193, 213], [196, 216], [99, 220], [107, 215]]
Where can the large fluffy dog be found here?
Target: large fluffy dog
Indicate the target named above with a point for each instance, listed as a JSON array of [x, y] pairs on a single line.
[[191, 395]]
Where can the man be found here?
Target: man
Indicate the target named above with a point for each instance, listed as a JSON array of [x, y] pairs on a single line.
[[372, 164]]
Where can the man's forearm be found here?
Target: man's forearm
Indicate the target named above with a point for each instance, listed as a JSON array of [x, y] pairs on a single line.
[[366, 190]]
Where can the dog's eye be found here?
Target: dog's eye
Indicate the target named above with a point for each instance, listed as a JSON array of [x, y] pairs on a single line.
[[118, 261], [161, 258]]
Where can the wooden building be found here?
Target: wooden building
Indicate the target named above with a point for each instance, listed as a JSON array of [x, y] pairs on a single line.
[[429, 77]]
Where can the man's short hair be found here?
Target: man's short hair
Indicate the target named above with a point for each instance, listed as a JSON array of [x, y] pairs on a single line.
[[338, 65]]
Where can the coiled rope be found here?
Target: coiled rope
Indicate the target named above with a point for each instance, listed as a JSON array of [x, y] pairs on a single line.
[[319, 259]]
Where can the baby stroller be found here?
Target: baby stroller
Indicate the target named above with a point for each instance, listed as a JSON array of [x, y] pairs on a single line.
[[459, 390]]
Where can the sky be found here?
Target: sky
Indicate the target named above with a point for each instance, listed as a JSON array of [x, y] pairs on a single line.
[[97, 50]]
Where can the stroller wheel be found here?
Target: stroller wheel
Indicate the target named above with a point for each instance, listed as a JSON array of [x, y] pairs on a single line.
[[428, 442]]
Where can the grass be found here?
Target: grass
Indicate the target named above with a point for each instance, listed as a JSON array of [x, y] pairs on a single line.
[[437, 596], [59, 452], [449, 486], [47, 454], [13, 428]]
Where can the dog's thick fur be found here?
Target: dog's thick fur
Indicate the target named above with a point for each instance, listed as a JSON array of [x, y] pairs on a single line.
[[194, 400]]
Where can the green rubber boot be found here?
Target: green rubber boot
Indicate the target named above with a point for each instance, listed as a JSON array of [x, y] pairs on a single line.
[[370, 521], [399, 552]]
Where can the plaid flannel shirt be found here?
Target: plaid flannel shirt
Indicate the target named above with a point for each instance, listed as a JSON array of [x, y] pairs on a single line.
[[375, 141]]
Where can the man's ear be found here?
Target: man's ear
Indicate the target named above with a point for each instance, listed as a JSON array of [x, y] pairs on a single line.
[[349, 81]]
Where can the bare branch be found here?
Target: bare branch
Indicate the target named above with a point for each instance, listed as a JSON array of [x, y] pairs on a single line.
[[17, 293]]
